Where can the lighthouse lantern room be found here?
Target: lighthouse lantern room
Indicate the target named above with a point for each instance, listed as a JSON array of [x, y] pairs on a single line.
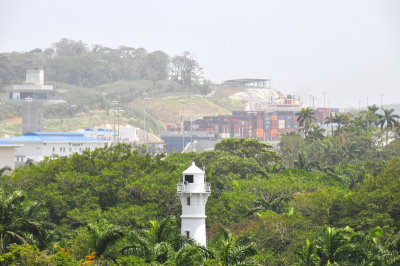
[[193, 192]]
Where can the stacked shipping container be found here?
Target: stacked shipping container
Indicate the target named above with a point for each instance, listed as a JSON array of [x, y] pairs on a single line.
[[260, 125]]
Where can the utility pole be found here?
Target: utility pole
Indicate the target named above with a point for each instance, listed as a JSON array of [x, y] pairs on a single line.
[[118, 110], [324, 105], [381, 101], [114, 103], [183, 125]]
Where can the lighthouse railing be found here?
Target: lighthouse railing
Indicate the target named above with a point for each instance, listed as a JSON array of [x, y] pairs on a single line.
[[190, 187]]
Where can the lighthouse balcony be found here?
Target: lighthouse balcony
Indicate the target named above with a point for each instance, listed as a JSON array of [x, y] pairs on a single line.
[[184, 187]]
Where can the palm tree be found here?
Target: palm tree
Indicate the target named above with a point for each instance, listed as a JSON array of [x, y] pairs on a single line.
[[158, 243], [388, 119], [186, 256], [330, 120], [303, 163], [103, 235], [305, 119], [333, 246], [275, 203], [341, 119], [315, 133], [331, 153], [373, 108], [227, 249], [308, 256], [17, 220], [372, 116], [397, 130], [358, 124], [351, 150]]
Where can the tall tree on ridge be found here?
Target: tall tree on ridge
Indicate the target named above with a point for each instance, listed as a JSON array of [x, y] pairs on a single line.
[[306, 118], [388, 119], [329, 120]]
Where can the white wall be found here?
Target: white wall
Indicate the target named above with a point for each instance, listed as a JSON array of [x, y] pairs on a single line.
[[38, 150], [7, 156]]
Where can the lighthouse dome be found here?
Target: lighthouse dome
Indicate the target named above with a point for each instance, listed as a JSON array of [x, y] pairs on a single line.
[[193, 169]]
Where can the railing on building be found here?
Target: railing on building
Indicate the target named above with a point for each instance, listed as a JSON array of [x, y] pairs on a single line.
[[190, 187]]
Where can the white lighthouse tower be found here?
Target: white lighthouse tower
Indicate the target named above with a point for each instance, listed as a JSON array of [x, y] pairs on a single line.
[[193, 192]]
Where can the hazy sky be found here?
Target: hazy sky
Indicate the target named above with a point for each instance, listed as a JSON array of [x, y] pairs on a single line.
[[348, 48]]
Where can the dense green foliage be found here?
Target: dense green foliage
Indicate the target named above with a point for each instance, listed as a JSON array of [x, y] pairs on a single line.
[[321, 200]]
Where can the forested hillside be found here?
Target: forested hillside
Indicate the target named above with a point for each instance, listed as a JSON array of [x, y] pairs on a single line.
[[320, 200], [89, 78]]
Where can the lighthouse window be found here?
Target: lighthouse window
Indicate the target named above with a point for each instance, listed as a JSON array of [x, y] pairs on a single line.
[[189, 178], [188, 200]]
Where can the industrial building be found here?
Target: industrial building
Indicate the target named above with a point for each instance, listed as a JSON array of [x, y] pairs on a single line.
[[35, 146]]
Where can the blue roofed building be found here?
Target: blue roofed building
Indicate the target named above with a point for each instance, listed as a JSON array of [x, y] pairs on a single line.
[[36, 146]]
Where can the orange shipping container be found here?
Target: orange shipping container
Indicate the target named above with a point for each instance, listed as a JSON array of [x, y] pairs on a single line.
[[274, 117], [274, 131], [260, 133]]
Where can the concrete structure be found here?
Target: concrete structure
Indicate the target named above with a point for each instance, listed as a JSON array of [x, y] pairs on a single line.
[[7, 154], [38, 145], [247, 83], [193, 192], [33, 95]]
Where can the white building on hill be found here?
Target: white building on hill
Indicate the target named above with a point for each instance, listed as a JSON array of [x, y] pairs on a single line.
[[7, 151], [37, 145]]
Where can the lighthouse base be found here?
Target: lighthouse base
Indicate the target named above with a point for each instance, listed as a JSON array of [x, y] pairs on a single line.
[[195, 228]]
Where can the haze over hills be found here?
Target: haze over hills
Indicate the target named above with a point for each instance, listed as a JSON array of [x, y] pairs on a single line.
[[90, 77]]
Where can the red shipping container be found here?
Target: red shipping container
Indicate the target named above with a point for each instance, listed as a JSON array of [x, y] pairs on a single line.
[[274, 124]]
